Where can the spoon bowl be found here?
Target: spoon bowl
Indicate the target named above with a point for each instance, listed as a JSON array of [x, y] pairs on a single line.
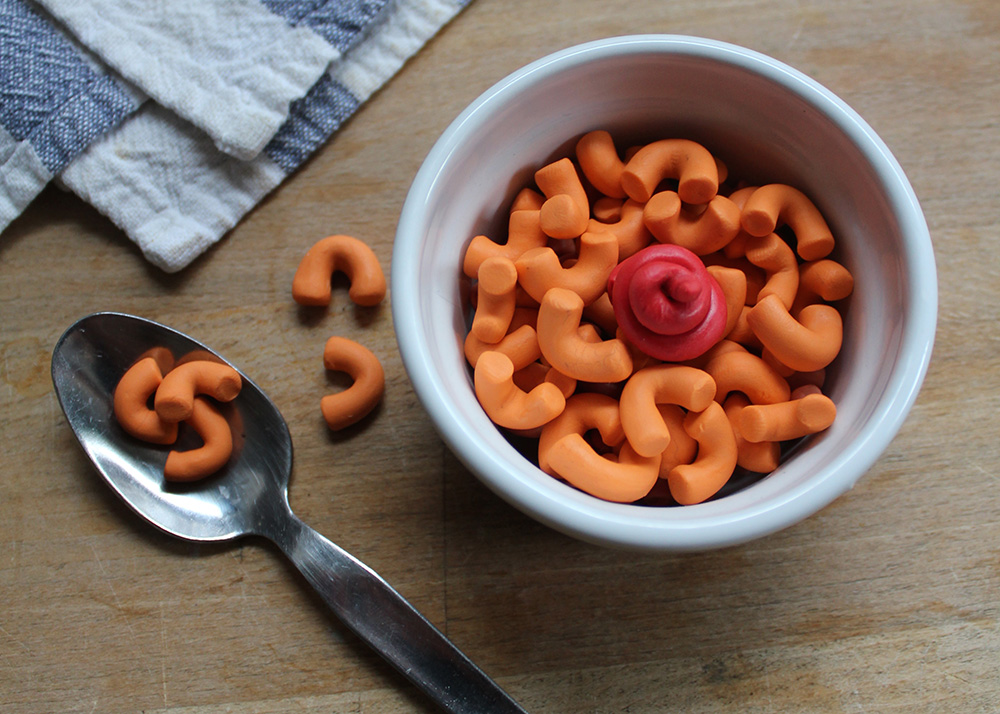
[[88, 362], [249, 496]]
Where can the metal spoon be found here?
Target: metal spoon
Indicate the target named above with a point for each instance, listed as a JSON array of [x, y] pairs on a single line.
[[250, 497]]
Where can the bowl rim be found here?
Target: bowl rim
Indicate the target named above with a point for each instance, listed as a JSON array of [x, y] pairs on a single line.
[[702, 527]]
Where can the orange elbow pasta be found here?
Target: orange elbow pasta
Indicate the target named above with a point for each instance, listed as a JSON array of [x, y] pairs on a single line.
[[339, 253], [669, 324], [353, 404], [184, 397]]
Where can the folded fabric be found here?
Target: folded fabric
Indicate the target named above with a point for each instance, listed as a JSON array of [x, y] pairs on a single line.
[[54, 101], [230, 67], [176, 182]]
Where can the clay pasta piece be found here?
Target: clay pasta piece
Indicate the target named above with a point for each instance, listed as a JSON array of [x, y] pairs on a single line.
[[689, 162], [630, 229], [759, 457], [353, 404], [212, 455], [777, 204], [497, 299], [733, 283], [808, 412], [539, 270], [565, 349], [682, 449], [174, 400], [805, 344], [624, 480], [583, 412], [131, 404], [600, 163], [713, 467], [822, 280], [606, 209], [778, 261], [645, 390], [339, 253], [741, 371], [566, 210], [520, 346], [506, 404], [164, 358], [527, 199], [701, 232], [524, 232], [527, 378]]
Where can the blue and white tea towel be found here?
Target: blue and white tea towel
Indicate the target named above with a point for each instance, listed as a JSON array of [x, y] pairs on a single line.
[[240, 93], [54, 101]]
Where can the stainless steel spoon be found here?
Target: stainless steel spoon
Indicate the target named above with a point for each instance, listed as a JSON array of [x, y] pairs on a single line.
[[250, 497]]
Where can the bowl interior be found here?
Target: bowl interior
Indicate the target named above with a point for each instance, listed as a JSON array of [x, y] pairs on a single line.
[[769, 124]]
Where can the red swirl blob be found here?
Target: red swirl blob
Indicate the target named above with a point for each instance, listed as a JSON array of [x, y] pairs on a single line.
[[667, 304]]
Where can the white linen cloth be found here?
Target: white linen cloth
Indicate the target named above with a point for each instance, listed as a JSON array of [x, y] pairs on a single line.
[[232, 111], [230, 67]]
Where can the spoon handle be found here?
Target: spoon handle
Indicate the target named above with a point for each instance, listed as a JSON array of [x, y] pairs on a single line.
[[384, 619]]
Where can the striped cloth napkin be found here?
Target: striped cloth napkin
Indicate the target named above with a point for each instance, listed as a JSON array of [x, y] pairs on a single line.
[[174, 119]]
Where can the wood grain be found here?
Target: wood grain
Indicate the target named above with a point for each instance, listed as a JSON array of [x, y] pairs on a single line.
[[885, 601]]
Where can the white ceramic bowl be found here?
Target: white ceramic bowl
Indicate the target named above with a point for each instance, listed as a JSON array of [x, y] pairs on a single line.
[[770, 123]]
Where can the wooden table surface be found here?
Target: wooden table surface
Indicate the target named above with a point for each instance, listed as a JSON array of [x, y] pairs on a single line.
[[885, 601]]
